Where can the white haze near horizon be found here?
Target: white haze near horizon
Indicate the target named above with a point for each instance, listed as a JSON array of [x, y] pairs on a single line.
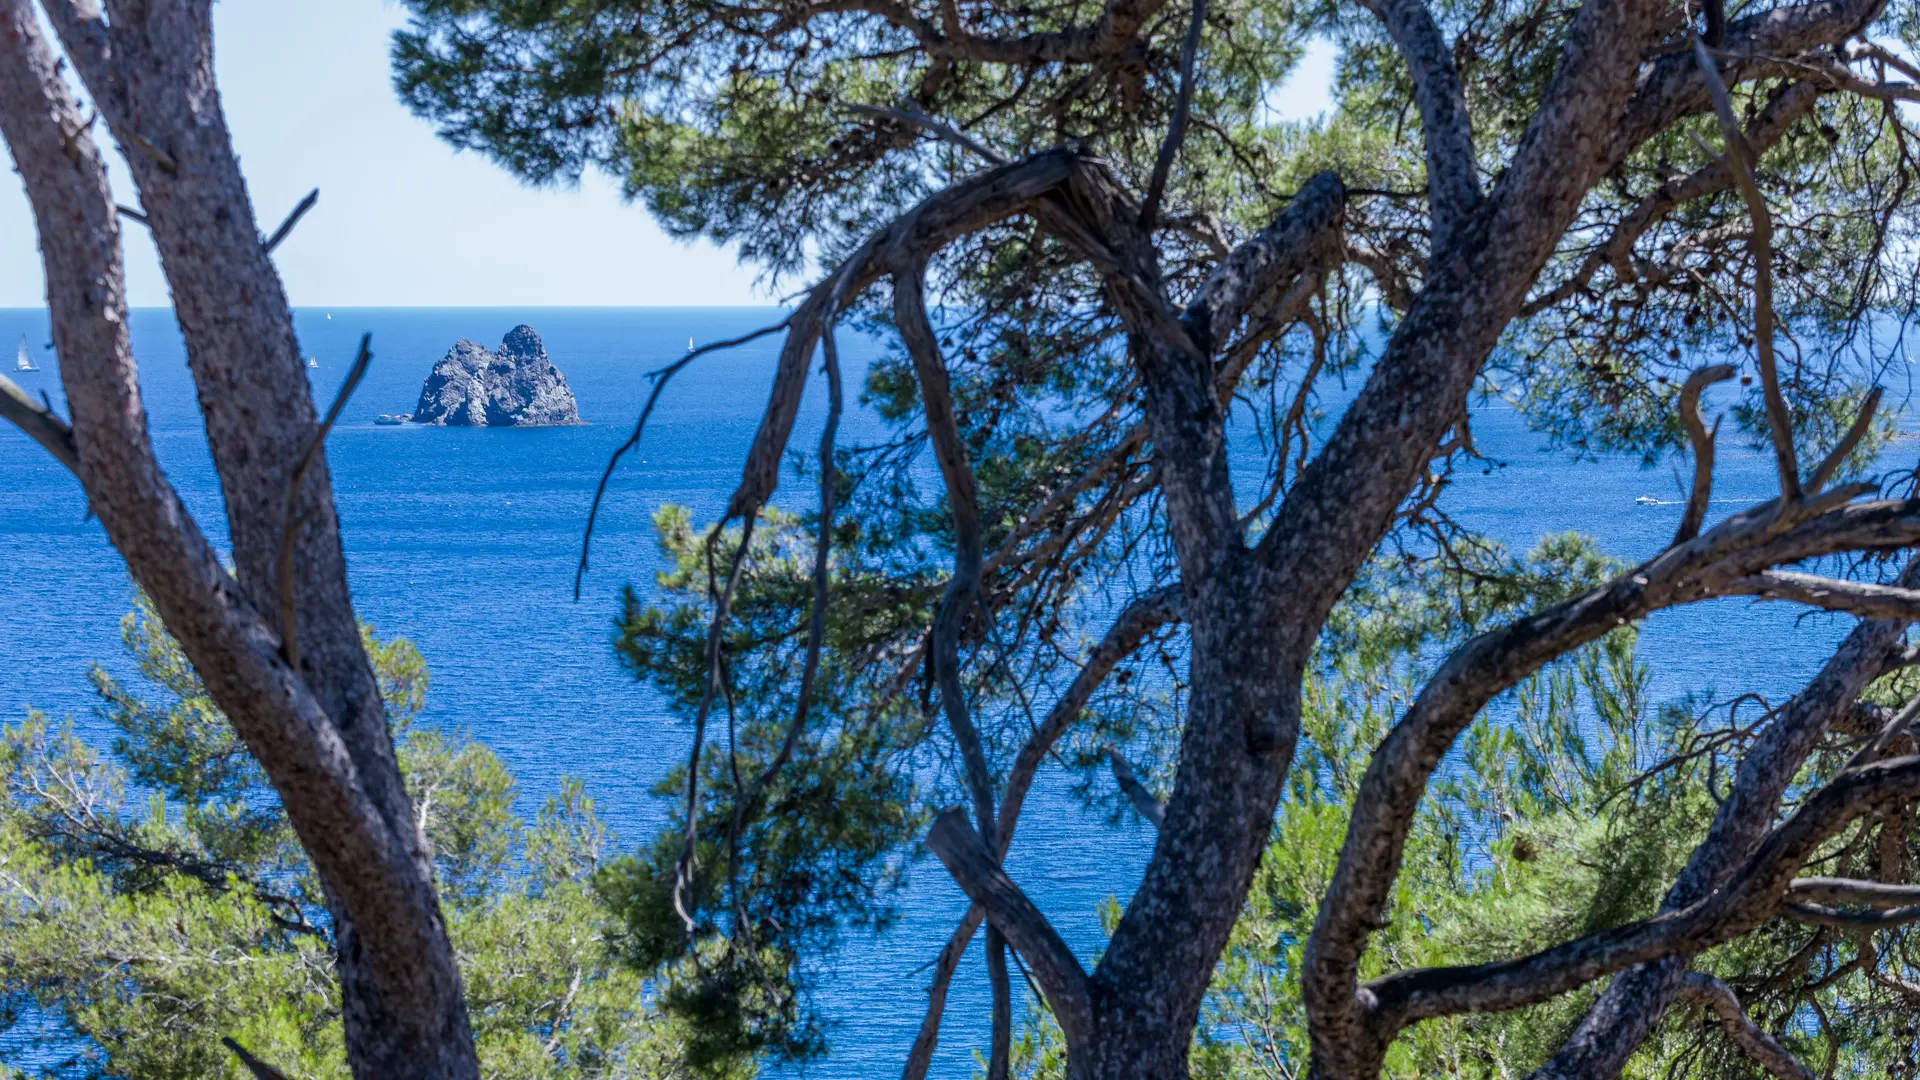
[[403, 220]]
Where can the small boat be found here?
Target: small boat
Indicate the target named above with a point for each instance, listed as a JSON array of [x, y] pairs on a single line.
[[313, 361], [23, 362], [392, 420], [689, 344], [1647, 500]]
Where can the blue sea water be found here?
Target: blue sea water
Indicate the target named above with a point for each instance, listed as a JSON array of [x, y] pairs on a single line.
[[465, 540]]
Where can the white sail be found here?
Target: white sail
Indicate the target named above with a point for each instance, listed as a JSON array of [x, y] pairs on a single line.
[[23, 362]]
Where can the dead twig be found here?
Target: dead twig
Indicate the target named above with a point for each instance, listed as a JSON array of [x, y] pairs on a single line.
[[660, 379], [1176, 127], [299, 211]]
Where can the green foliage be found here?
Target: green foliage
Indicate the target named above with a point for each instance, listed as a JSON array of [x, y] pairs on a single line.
[[728, 119], [1568, 808], [154, 898], [820, 849]]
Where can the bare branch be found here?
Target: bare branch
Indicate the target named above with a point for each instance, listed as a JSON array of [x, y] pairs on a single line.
[[41, 424], [1873, 894], [685, 865], [978, 873], [1144, 802], [921, 1056], [1702, 440], [1862, 598], [916, 118], [1862, 423], [1741, 1030], [260, 1069], [293, 218], [660, 379], [963, 502], [1177, 126], [1819, 915], [1740, 158], [748, 804]]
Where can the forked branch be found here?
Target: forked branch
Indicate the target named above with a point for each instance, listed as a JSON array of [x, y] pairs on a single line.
[[1054, 966], [1754, 894], [1701, 438]]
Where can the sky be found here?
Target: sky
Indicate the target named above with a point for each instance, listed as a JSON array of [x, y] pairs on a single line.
[[404, 220]]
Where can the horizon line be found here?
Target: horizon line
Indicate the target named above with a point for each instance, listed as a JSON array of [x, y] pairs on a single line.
[[473, 307]]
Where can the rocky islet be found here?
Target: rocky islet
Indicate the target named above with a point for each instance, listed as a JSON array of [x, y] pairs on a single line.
[[513, 386]]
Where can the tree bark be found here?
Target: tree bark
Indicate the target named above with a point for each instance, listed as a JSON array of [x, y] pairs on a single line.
[[320, 731]]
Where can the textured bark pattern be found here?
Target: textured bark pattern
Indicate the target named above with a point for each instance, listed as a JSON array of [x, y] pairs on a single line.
[[319, 732], [1626, 1012]]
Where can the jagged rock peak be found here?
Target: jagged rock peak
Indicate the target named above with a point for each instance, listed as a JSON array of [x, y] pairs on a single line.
[[473, 386]]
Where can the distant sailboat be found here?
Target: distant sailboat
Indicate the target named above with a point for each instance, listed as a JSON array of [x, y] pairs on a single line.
[[313, 361], [23, 362], [689, 344]]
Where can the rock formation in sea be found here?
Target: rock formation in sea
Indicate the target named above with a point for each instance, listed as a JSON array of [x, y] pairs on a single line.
[[516, 386]]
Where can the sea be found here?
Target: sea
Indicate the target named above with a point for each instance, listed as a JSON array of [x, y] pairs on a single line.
[[465, 541]]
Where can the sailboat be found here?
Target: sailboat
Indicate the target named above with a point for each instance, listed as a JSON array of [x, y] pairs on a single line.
[[313, 361], [689, 344], [23, 362]]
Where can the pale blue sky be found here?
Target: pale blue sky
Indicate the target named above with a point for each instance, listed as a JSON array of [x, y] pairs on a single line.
[[404, 220]]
